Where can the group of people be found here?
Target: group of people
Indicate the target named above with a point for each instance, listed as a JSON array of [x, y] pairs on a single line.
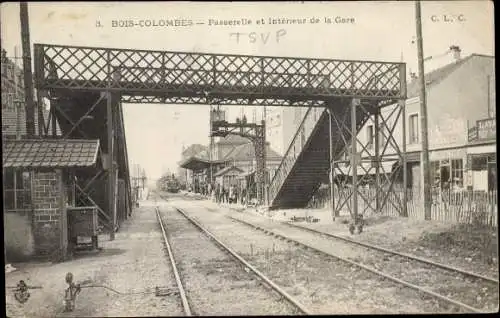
[[226, 194], [222, 194]]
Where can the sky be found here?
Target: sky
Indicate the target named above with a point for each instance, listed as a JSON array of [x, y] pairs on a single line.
[[381, 30]]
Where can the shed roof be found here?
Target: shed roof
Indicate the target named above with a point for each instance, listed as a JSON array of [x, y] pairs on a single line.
[[50, 153], [226, 170], [197, 163], [247, 152]]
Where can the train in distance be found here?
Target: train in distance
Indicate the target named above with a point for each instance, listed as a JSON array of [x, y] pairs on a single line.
[[169, 184]]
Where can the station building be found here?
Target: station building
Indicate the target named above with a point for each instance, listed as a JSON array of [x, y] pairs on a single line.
[[461, 125], [232, 162]]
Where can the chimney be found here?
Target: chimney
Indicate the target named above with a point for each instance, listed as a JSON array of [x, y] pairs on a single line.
[[456, 52], [413, 75]]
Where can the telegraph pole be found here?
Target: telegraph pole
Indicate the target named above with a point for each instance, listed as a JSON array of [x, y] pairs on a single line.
[[28, 80], [423, 115]]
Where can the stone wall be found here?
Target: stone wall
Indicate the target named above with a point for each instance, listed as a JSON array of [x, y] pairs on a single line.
[[49, 214]]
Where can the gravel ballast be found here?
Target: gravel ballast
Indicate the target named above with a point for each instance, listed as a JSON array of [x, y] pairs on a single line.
[[215, 283], [324, 284], [134, 262]]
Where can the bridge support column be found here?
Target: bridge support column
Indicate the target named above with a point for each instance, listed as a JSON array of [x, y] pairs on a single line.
[[260, 158], [402, 105], [111, 166], [376, 130], [354, 161], [332, 167]]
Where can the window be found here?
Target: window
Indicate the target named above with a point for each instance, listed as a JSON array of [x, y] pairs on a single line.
[[370, 137], [413, 128], [16, 193], [457, 172], [435, 173]]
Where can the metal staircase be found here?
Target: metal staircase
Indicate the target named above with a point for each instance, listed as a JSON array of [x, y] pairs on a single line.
[[305, 164]]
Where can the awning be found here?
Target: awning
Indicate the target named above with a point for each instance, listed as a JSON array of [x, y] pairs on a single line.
[[385, 166], [246, 174], [50, 153], [225, 170], [194, 163]]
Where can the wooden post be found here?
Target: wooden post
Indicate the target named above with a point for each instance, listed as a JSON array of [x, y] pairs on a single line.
[[28, 76], [423, 116]]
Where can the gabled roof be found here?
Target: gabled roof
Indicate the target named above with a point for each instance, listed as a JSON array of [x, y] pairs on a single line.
[[197, 163], [233, 139], [439, 74], [50, 153], [246, 152], [226, 170], [193, 150]]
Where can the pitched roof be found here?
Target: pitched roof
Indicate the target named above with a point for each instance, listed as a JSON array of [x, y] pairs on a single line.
[[233, 139], [193, 150], [225, 170], [438, 74], [247, 152], [53, 153], [198, 163]]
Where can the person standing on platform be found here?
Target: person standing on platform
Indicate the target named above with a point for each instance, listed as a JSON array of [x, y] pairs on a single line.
[[217, 193]]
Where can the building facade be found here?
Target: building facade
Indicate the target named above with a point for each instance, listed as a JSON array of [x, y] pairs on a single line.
[[461, 126], [282, 124]]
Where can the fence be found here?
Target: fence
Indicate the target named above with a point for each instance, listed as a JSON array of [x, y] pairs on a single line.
[[465, 207]]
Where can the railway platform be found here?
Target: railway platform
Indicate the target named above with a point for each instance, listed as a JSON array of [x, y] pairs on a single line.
[[124, 275]]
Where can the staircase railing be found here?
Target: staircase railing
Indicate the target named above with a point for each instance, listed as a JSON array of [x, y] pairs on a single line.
[[309, 121]]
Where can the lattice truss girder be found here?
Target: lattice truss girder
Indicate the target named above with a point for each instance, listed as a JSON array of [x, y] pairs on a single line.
[[222, 129], [254, 132], [186, 77], [85, 191], [384, 124]]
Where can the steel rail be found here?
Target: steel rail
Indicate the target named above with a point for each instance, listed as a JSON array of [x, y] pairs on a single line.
[[372, 270], [246, 264], [389, 251], [182, 292]]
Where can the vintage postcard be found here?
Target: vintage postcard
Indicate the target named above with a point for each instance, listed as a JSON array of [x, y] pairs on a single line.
[[249, 158]]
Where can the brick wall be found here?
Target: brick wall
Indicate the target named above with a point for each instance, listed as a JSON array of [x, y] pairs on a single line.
[[49, 213]]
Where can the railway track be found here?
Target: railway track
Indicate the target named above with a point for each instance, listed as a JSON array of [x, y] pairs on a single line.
[[214, 279], [460, 271], [462, 288]]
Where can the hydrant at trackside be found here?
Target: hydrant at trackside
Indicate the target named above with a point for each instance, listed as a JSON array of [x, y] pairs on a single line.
[[70, 293]]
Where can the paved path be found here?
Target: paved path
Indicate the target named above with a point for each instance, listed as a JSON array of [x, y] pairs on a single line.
[[134, 262]]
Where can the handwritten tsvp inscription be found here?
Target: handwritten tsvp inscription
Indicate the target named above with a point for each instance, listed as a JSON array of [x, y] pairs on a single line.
[[258, 37]]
